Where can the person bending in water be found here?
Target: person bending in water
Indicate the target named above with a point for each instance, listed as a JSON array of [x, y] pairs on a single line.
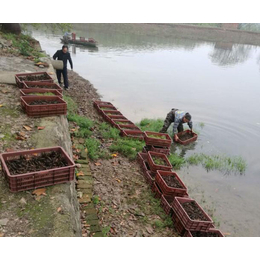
[[178, 118]]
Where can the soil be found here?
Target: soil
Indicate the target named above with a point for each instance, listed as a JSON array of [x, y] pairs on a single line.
[[44, 102], [186, 136], [108, 108], [38, 163], [193, 211], [204, 234], [158, 136], [159, 161], [41, 94], [172, 181], [43, 86], [34, 77]]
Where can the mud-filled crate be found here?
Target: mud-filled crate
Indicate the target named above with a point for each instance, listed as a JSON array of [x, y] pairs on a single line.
[[158, 161], [157, 149], [118, 123], [171, 184], [137, 134], [40, 92], [186, 137], [26, 170], [191, 214], [34, 76], [210, 233], [157, 139], [41, 106], [41, 85], [149, 176]]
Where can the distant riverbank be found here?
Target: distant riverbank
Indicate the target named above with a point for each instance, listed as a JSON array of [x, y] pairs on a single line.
[[178, 31]]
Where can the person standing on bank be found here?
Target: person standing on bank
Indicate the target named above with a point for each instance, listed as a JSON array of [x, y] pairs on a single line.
[[178, 118], [63, 55]]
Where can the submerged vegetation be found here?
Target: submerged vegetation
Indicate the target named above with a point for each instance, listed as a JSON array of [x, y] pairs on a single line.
[[222, 163], [218, 162]]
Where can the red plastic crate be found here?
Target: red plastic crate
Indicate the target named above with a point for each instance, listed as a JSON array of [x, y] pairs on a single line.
[[142, 160], [193, 139], [34, 180], [148, 175], [19, 78], [178, 225], [27, 92], [156, 190], [43, 110], [157, 141], [96, 103], [166, 202], [138, 134], [106, 107], [167, 190], [154, 167], [217, 233], [188, 223], [116, 122], [157, 149], [142, 157], [38, 84]]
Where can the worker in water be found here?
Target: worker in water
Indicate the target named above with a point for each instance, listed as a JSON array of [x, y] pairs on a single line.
[[178, 118], [63, 55]]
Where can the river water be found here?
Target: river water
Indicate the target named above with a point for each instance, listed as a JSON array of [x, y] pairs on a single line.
[[218, 83]]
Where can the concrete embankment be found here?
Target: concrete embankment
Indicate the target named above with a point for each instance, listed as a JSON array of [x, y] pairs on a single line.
[[55, 213]]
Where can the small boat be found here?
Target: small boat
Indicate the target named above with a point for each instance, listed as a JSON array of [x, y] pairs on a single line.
[[90, 42]]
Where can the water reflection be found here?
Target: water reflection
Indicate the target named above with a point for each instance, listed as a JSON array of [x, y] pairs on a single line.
[[82, 48], [181, 150], [228, 54]]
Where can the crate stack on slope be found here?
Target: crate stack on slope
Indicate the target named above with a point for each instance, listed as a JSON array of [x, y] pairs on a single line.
[[116, 119], [169, 188], [40, 96], [33, 87]]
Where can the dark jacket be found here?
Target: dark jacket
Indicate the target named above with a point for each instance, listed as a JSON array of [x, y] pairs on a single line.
[[63, 56]]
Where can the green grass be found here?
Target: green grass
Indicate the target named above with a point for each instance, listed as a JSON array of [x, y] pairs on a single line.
[[23, 44], [218, 162], [176, 161], [81, 121], [83, 133], [105, 231], [71, 105], [95, 199], [127, 147], [109, 132], [94, 149], [153, 125]]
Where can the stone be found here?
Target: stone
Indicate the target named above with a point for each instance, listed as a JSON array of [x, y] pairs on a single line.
[[90, 211], [95, 228], [94, 222], [92, 217], [23, 201], [97, 234], [41, 66], [84, 185], [4, 221], [82, 161], [85, 199], [83, 154], [2, 136]]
